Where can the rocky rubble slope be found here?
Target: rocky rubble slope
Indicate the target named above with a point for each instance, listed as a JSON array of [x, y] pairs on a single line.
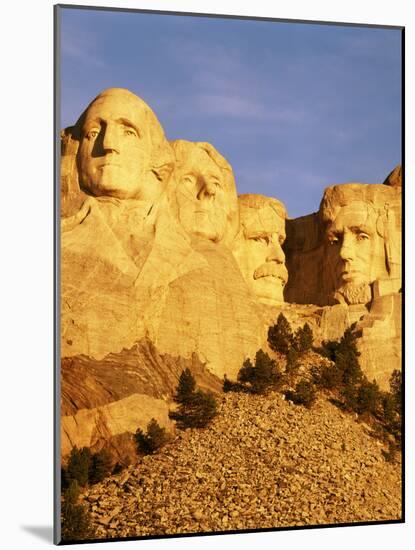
[[263, 463]]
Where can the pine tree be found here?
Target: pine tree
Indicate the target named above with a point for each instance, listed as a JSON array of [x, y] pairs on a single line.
[[395, 384], [261, 377], [392, 406], [346, 359], [101, 466], [72, 492], [368, 398], [186, 387], [198, 412], [304, 394], [267, 375], [154, 439], [246, 372], [76, 523], [78, 465], [280, 336], [304, 338], [328, 377], [293, 363], [201, 410]]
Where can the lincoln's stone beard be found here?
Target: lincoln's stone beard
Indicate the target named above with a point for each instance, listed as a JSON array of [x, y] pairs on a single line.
[[352, 294]]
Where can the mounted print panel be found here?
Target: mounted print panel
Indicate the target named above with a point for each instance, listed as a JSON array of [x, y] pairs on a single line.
[[229, 222]]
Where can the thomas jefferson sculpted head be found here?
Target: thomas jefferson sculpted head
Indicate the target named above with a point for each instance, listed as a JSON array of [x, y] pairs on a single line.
[[122, 150], [258, 249], [205, 195], [358, 239]]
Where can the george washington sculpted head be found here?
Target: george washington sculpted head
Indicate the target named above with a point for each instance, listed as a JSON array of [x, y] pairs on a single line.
[[122, 150]]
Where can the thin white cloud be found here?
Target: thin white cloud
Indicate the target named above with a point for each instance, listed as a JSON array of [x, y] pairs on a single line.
[[81, 45], [223, 84], [244, 107], [81, 54]]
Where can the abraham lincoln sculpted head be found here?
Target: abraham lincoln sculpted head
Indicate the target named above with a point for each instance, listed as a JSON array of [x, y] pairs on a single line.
[[258, 248], [360, 240], [122, 150]]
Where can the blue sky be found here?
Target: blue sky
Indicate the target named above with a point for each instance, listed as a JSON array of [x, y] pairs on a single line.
[[293, 107]]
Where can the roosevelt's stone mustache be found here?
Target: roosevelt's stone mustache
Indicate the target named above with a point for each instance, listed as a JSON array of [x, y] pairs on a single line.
[[272, 269]]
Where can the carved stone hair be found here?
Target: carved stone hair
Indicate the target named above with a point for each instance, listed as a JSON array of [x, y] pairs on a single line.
[[183, 151], [381, 200], [377, 197], [255, 201]]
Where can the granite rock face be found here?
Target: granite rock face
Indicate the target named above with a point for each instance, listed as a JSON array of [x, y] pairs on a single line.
[[380, 342], [102, 400], [349, 253], [157, 247], [394, 179]]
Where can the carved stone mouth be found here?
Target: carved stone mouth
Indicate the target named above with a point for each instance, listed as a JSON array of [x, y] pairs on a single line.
[[273, 276], [271, 270]]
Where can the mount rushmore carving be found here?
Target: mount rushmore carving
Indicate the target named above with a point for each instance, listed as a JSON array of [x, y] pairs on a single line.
[[156, 244]]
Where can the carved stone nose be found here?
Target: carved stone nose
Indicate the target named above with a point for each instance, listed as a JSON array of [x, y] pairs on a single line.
[[110, 140], [276, 254], [347, 251], [208, 190]]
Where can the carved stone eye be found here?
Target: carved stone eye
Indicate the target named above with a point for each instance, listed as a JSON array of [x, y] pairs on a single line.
[[92, 134], [263, 240], [130, 132], [189, 179]]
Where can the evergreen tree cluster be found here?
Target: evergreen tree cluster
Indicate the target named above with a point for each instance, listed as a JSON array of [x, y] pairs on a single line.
[[197, 408], [153, 440], [75, 520], [304, 394], [392, 407], [346, 376], [260, 377], [85, 467], [264, 374], [345, 379], [355, 391], [282, 339]]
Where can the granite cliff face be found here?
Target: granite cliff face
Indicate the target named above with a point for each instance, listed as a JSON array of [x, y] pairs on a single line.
[[103, 401], [349, 253], [164, 267]]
